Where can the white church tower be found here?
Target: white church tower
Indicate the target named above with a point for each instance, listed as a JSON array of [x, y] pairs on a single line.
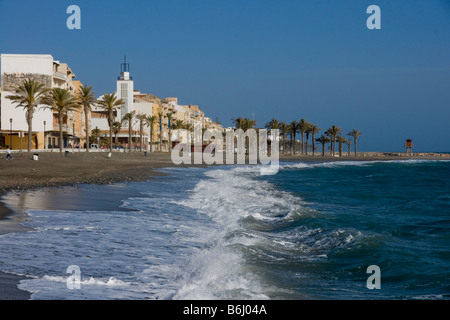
[[125, 88]]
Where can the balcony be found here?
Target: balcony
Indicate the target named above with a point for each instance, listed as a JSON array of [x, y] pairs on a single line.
[[59, 75], [64, 128]]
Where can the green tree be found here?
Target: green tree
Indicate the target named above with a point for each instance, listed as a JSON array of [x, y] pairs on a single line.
[[273, 124], [314, 130], [333, 132], [323, 139], [169, 119], [95, 133], [110, 103], [117, 126], [142, 118], [284, 130], [293, 129], [86, 100], [128, 119], [341, 140], [62, 101], [303, 127], [150, 121], [244, 123], [355, 134], [349, 146], [28, 95], [160, 119]]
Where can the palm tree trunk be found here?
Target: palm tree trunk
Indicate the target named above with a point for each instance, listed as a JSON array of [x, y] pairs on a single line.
[[60, 119], [355, 147], [303, 143], [151, 138], [293, 144], [313, 143], [30, 132], [129, 137], [333, 145], [110, 137], [141, 137], [86, 120], [30, 128], [170, 139], [160, 137], [323, 149]]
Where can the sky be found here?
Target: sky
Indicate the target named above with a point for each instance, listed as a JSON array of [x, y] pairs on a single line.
[[262, 59]]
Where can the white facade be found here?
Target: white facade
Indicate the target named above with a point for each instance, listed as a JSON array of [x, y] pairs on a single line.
[[14, 68]]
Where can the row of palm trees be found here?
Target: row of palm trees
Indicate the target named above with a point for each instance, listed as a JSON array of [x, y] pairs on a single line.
[[332, 135], [30, 94]]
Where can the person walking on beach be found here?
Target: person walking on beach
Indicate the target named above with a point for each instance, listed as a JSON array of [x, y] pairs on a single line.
[[8, 154]]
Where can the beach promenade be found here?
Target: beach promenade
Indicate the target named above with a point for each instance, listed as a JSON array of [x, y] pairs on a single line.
[[53, 169]]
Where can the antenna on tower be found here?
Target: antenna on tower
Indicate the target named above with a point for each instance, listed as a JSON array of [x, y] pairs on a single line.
[[124, 67]]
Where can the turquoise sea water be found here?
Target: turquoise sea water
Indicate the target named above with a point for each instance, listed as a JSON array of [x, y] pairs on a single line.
[[308, 232]]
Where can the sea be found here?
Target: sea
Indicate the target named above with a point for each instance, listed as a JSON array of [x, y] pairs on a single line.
[[315, 230]]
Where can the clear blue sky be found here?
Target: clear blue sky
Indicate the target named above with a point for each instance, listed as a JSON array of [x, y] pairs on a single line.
[[312, 59]]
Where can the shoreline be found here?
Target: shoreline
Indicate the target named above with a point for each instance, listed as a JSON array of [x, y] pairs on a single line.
[[54, 170]]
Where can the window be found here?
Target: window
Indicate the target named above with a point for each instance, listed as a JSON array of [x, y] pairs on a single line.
[[124, 93]]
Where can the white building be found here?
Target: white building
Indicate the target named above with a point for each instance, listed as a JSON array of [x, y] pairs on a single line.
[[42, 68]]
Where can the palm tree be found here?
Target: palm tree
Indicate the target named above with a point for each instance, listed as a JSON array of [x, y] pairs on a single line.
[[293, 129], [110, 103], [341, 141], [178, 124], [95, 133], [303, 127], [355, 134], [273, 125], [142, 118], [323, 139], [238, 122], [117, 126], [307, 133], [29, 95], [160, 117], [62, 102], [284, 129], [314, 130], [169, 118], [86, 100], [244, 123], [333, 132], [349, 145], [128, 118], [150, 121]]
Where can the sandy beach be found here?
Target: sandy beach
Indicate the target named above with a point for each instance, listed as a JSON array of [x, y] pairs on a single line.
[[53, 169]]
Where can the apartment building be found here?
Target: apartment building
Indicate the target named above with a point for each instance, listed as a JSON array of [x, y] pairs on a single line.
[[45, 125]]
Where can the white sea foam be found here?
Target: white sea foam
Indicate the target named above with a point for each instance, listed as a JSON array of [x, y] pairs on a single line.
[[192, 246]]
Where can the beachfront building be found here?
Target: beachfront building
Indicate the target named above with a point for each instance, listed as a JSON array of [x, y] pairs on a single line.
[[13, 125], [166, 113]]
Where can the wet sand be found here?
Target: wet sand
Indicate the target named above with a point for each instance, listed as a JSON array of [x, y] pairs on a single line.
[[53, 169]]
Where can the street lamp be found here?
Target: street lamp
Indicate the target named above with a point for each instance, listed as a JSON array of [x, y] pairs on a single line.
[[10, 132]]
